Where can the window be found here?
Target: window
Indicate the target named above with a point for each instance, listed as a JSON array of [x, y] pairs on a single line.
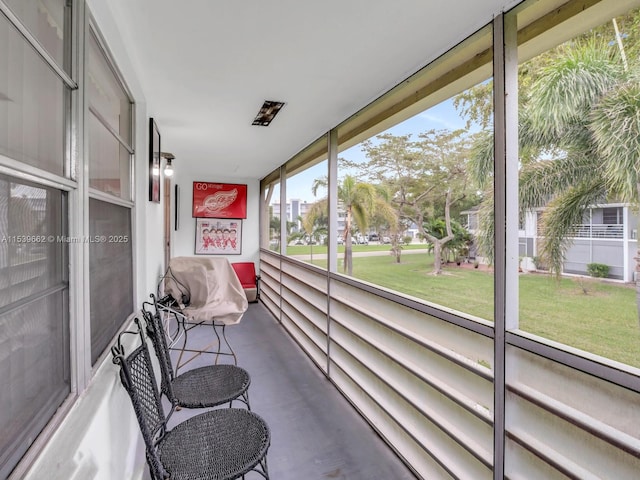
[[308, 214], [110, 250], [272, 217], [109, 127], [48, 22], [34, 272], [34, 103], [405, 189], [110, 272], [612, 216], [34, 331], [575, 136]]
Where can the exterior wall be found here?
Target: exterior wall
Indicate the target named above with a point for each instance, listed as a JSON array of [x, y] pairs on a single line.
[[631, 262], [584, 251], [600, 247]]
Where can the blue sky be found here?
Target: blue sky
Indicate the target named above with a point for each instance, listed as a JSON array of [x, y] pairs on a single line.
[[438, 117]]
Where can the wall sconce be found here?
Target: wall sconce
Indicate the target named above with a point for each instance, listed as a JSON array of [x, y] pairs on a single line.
[[168, 169]]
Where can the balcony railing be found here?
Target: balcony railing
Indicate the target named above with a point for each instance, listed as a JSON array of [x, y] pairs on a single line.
[[424, 379], [585, 230]]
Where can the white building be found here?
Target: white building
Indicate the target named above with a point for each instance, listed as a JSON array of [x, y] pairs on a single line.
[[608, 235]]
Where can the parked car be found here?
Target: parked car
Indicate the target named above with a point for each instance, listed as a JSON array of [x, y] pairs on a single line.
[[386, 240], [374, 237], [362, 240], [340, 240]]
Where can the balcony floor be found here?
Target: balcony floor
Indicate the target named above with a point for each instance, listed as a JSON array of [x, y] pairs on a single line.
[[315, 432]]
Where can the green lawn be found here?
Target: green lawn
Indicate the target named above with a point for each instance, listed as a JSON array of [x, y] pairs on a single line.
[[603, 321], [320, 249]]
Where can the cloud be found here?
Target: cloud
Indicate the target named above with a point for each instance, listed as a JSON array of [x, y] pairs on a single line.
[[439, 120]]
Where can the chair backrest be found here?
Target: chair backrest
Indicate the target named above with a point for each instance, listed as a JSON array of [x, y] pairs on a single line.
[[246, 272], [138, 379], [158, 337]]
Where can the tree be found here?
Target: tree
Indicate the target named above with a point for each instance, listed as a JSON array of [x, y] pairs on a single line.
[[275, 229], [314, 225], [426, 177], [358, 200], [459, 245], [580, 140]]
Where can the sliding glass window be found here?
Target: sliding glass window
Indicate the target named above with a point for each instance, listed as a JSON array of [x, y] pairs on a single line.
[[110, 153], [34, 101], [34, 272], [109, 126], [49, 22]]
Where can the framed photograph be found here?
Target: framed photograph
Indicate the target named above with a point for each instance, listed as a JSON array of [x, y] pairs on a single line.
[[218, 236], [219, 200], [154, 162]]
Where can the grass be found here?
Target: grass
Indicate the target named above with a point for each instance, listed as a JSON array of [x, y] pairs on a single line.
[[604, 320], [322, 249]]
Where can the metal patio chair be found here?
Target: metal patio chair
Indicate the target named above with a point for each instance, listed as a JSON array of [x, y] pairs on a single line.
[[201, 387], [220, 444]]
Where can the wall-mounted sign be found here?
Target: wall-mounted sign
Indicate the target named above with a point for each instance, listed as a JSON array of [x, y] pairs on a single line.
[[219, 200]]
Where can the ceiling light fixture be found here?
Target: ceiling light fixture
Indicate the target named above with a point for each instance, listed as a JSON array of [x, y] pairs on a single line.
[[168, 169], [269, 110]]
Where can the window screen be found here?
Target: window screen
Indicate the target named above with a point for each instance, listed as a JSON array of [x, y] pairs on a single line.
[[34, 333], [111, 272]]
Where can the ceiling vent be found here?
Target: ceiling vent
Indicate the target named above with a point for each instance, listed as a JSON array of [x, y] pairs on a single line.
[[267, 113]]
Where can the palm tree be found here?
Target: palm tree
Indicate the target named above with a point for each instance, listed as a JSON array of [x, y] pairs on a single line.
[[580, 139], [358, 200], [314, 225]]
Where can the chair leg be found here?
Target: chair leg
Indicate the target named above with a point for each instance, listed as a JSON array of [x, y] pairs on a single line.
[[263, 470], [226, 341]]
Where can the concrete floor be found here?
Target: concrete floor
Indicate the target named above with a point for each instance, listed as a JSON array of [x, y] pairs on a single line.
[[315, 433]]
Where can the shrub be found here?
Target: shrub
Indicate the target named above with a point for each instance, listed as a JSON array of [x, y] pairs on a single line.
[[539, 263], [599, 270]]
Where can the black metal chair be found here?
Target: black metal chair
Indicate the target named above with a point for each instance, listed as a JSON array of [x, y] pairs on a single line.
[[220, 444], [201, 387]]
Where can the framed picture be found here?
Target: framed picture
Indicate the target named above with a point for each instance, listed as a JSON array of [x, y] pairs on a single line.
[[219, 200], [218, 236], [176, 210], [154, 162]]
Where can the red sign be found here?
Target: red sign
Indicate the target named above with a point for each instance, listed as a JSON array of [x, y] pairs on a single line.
[[219, 200]]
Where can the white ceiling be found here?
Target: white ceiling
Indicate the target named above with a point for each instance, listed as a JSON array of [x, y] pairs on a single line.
[[206, 66]]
